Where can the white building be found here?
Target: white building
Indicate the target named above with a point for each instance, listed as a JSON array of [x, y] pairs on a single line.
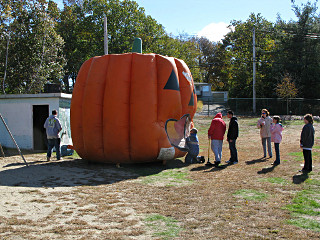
[[25, 115]]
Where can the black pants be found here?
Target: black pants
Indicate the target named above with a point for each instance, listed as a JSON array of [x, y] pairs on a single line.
[[277, 148], [233, 151], [190, 158], [307, 160]]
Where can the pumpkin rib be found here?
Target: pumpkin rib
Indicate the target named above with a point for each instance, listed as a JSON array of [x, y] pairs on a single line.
[[76, 108], [116, 109], [129, 110], [93, 108], [169, 97], [157, 117], [143, 110]]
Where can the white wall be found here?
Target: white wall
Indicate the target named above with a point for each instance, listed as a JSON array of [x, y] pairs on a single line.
[[18, 115]]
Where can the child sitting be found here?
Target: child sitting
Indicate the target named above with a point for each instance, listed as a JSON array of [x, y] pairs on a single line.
[[193, 145]]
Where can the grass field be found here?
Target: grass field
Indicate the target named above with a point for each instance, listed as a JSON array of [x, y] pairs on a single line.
[[74, 199]]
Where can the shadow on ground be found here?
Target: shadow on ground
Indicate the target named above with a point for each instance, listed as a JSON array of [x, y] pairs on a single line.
[[254, 161], [298, 179], [210, 168], [77, 172], [266, 170]]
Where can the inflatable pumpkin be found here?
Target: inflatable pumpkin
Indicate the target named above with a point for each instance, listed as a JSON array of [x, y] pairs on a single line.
[[120, 105]]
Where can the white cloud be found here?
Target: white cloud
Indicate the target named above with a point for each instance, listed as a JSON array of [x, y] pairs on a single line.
[[214, 31]]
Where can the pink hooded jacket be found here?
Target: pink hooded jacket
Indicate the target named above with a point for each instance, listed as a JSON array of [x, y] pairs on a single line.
[[276, 133]]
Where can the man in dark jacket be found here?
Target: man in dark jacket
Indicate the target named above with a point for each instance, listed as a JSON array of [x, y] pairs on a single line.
[[233, 133]]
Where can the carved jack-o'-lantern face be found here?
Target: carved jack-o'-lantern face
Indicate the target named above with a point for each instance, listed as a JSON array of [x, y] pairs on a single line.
[[120, 104]]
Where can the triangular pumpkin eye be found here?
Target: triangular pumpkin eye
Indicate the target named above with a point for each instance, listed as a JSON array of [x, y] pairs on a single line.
[[172, 83], [191, 103]]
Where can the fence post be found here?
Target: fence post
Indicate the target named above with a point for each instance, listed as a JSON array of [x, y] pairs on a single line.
[[236, 105], [208, 108]]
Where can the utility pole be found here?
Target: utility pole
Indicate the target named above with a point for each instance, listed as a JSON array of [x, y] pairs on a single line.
[[5, 67], [254, 71], [105, 34]]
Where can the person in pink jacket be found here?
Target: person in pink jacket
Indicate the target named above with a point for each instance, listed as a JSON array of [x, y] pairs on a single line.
[[276, 137]]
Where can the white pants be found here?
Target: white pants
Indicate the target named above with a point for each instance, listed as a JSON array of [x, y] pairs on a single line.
[[216, 146]]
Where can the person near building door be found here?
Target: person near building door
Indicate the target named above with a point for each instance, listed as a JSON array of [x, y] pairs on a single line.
[[53, 127]]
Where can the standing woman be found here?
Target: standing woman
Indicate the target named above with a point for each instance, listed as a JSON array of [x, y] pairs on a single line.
[[264, 124], [276, 137], [306, 142]]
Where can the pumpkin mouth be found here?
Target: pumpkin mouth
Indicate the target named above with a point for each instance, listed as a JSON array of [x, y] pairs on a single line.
[[177, 131]]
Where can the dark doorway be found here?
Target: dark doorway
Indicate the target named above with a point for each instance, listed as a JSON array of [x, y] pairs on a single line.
[[40, 114]]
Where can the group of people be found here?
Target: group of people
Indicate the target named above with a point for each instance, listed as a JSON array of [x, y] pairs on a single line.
[[216, 134], [270, 131]]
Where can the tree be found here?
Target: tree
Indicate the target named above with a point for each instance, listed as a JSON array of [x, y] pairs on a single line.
[[300, 49], [212, 60], [81, 26], [238, 45], [287, 89], [35, 55]]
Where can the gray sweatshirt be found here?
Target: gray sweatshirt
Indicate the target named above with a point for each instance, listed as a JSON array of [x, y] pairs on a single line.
[[53, 127]]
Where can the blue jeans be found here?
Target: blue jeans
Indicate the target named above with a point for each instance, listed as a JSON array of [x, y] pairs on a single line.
[[216, 146], [264, 145], [277, 148], [55, 142], [233, 150]]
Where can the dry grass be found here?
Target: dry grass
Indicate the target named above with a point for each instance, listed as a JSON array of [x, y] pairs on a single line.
[[250, 200]]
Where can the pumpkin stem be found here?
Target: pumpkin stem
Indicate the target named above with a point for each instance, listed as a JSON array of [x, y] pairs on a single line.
[[137, 45]]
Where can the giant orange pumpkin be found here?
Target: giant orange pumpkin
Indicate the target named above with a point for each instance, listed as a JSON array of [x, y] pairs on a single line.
[[120, 104]]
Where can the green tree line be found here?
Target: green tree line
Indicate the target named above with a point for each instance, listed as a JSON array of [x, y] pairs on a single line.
[[40, 43]]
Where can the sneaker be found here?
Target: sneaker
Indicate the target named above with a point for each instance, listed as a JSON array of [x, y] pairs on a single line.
[[305, 171], [216, 164], [235, 162], [229, 161], [275, 164], [48, 159], [209, 164]]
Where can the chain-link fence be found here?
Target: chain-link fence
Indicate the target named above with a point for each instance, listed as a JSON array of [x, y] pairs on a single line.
[[277, 106]]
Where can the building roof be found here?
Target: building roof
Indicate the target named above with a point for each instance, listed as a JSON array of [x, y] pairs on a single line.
[[201, 83], [39, 95]]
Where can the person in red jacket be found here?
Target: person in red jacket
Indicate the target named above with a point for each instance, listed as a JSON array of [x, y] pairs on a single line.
[[216, 134]]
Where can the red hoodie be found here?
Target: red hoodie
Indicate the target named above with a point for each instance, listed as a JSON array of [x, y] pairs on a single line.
[[217, 128]]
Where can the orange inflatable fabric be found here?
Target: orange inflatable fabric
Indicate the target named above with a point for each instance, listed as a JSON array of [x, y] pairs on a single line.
[[121, 102]]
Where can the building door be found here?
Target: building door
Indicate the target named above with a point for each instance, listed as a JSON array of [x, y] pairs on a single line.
[[40, 114]]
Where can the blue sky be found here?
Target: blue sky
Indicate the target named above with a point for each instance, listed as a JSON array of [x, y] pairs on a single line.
[[210, 17]]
